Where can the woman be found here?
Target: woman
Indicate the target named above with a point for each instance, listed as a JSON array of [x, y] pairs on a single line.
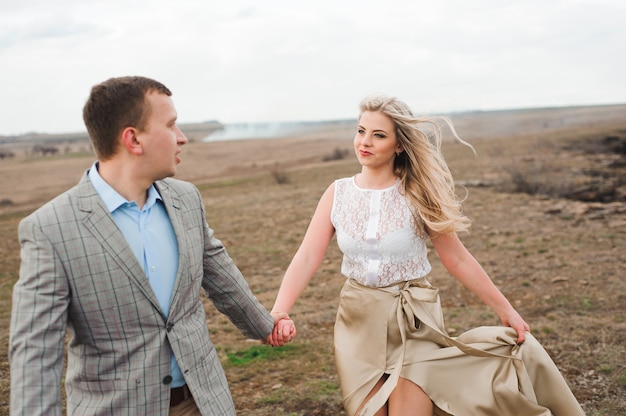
[[392, 351]]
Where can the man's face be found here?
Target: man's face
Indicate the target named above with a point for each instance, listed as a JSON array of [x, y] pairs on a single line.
[[161, 139]]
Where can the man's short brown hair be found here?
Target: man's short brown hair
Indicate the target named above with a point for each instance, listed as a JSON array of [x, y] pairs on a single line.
[[114, 105]]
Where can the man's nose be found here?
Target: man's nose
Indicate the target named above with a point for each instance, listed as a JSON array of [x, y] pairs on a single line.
[[182, 139]]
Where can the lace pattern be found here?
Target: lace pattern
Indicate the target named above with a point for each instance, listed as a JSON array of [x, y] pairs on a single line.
[[377, 235]]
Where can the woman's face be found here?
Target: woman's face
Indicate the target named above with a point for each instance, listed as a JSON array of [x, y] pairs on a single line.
[[375, 142]]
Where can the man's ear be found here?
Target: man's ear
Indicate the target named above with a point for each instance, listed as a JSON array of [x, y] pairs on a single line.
[[131, 141]]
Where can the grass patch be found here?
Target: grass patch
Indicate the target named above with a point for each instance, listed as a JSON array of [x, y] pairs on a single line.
[[258, 353]]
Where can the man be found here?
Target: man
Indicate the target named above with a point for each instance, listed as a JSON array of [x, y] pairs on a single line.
[[119, 261]]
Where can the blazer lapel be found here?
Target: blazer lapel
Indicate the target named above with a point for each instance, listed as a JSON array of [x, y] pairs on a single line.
[[101, 225], [173, 206]]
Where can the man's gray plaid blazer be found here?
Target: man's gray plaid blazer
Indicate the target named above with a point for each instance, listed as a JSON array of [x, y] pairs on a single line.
[[78, 273]]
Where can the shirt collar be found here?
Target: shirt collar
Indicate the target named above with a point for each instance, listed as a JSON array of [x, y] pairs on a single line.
[[111, 198]]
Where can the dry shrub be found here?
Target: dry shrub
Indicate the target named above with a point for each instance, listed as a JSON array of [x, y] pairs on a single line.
[[280, 175], [338, 154], [599, 177]]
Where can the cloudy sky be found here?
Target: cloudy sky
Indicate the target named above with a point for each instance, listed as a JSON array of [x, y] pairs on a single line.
[[275, 60]]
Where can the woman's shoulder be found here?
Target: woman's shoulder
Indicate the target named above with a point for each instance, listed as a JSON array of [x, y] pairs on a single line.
[[342, 184], [343, 181]]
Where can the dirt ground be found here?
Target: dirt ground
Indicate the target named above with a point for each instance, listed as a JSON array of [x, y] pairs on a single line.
[[546, 196]]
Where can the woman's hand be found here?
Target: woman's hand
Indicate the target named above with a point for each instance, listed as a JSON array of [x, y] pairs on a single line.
[[515, 321], [284, 330]]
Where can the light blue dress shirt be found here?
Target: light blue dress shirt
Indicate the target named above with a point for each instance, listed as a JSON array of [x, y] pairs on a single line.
[[151, 237]]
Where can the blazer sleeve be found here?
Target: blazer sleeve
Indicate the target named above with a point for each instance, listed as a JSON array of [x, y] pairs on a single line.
[[229, 291], [38, 326]]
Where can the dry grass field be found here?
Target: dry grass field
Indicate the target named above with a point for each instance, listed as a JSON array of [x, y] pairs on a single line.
[[546, 193]]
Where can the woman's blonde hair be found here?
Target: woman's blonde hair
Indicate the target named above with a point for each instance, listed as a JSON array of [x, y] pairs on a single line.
[[423, 171]]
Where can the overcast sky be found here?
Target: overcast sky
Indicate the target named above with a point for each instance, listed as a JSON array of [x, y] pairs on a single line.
[[275, 60]]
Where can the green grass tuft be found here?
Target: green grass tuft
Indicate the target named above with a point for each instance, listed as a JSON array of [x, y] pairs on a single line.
[[260, 353]]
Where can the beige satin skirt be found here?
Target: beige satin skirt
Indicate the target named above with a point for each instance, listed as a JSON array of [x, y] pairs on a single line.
[[399, 331]]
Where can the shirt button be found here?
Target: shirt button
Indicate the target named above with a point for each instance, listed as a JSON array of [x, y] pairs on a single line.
[[167, 379]]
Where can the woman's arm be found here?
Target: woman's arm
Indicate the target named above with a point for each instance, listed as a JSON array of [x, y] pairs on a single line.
[[309, 255], [465, 268]]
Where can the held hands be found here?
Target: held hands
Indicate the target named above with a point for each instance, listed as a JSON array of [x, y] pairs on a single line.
[[284, 330]]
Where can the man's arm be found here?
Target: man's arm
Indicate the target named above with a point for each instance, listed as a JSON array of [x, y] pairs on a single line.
[[229, 291], [38, 327]]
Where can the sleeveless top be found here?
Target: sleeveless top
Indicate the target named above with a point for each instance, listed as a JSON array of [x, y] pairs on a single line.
[[377, 235]]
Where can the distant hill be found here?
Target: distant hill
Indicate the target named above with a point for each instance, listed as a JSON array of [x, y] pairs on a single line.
[[194, 131], [474, 123]]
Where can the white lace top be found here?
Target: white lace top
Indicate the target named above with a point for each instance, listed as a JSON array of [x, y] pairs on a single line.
[[377, 235]]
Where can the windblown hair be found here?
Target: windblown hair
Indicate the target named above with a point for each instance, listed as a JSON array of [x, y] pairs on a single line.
[[114, 105], [424, 174]]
